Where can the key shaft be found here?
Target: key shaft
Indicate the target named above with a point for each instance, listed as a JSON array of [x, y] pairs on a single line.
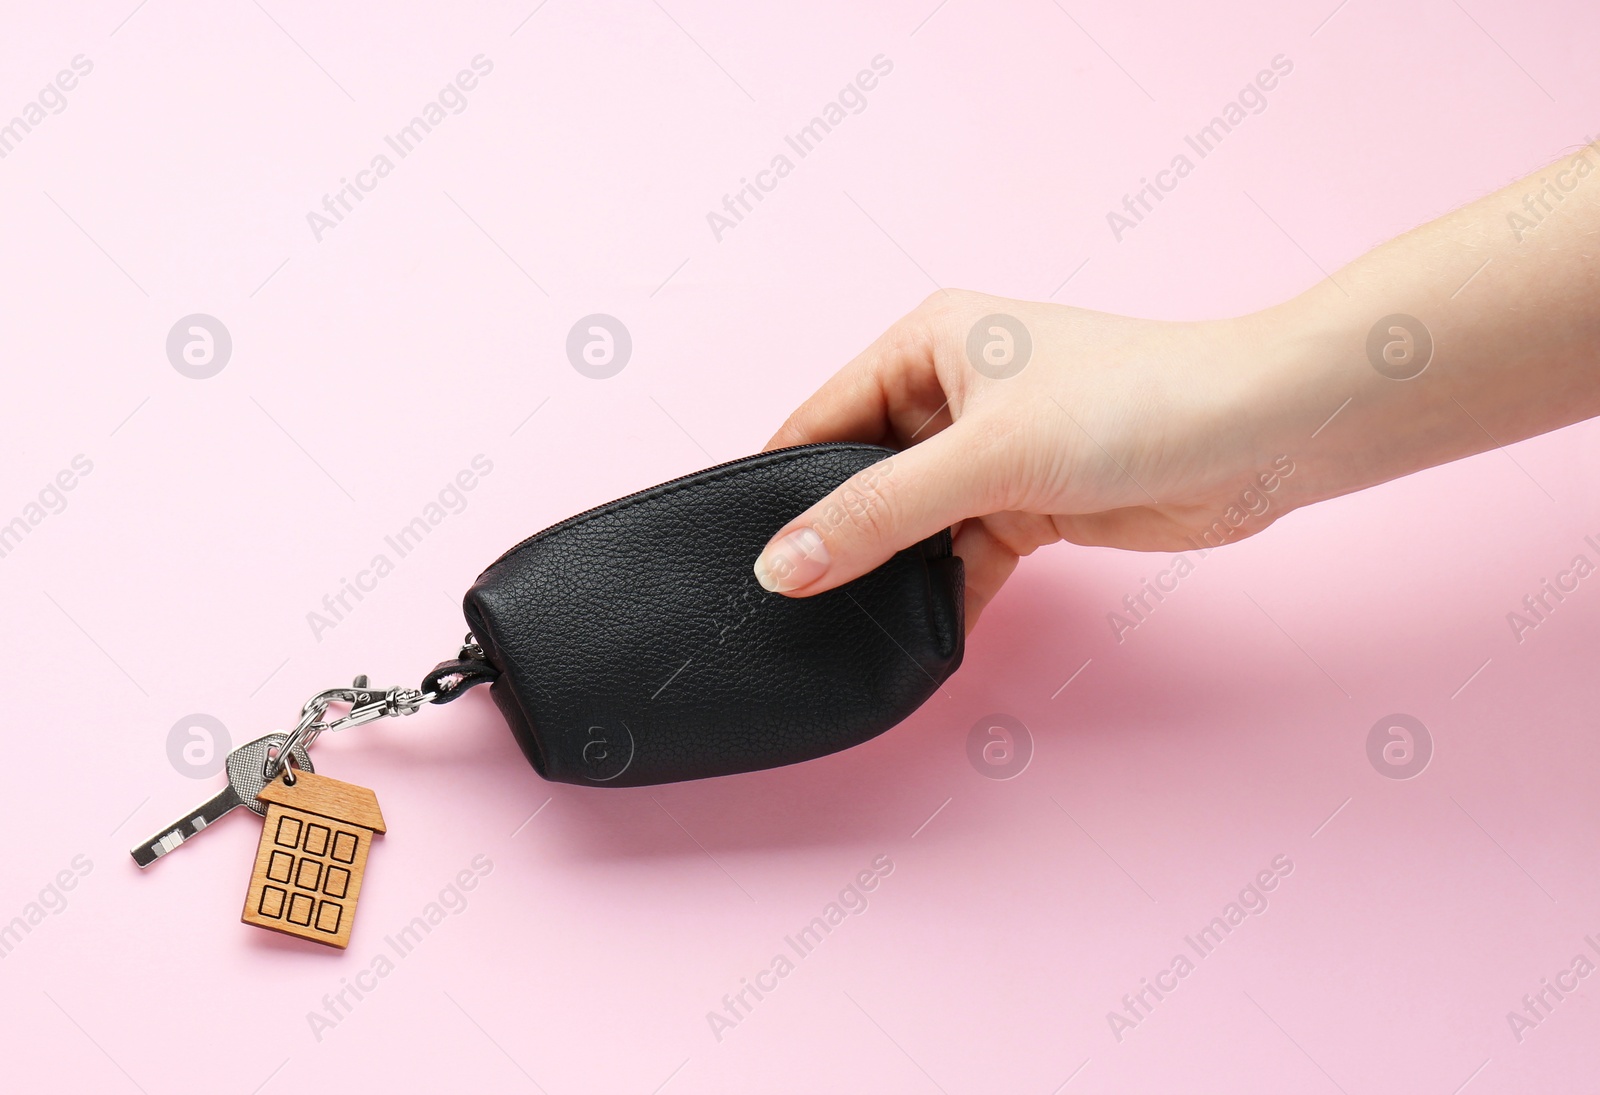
[[246, 767], [208, 812]]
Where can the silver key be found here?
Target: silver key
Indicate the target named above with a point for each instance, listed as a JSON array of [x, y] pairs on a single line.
[[247, 778]]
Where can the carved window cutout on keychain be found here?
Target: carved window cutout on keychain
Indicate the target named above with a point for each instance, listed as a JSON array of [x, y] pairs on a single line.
[[312, 857], [606, 645]]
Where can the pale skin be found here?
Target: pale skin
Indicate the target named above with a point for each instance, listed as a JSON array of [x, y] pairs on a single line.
[[1144, 435]]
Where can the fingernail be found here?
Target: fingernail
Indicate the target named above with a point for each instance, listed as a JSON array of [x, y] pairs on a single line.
[[791, 561]]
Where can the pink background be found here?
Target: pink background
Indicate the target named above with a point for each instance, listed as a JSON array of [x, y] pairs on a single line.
[[369, 368]]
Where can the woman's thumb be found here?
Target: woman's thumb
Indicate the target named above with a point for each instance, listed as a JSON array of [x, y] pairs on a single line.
[[889, 506]]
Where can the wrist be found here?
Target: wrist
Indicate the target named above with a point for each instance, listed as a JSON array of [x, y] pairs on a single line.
[[1302, 380], [1273, 390], [1350, 392]]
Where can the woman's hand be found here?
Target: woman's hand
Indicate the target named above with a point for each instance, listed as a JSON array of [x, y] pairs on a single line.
[[1024, 424]]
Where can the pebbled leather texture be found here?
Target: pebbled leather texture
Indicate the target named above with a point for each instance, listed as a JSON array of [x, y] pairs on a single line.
[[635, 647]]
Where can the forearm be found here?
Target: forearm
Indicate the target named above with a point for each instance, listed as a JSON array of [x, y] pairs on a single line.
[[1507, 290]]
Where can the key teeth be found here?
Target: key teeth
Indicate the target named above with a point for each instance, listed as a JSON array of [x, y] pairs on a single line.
[[159, 847]]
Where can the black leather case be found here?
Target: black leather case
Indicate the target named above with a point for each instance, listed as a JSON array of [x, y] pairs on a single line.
[[634, 646]]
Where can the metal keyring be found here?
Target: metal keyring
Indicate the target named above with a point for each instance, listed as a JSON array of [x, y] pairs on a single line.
[[302, 735], [366, 705]]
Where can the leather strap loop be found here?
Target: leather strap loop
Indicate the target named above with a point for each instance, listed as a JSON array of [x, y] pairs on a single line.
[[452, 678]]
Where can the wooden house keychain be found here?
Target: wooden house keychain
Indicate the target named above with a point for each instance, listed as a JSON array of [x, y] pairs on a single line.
[[313, 850]]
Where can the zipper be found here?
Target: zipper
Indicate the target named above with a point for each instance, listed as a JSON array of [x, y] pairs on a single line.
[[591, 511]]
